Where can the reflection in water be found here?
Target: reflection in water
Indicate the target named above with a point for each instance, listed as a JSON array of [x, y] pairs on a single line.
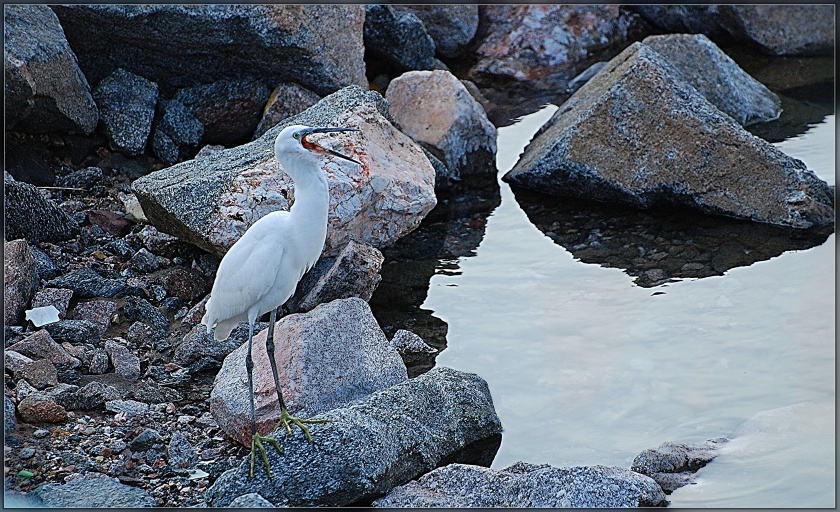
[[659, 246], [453, 229]]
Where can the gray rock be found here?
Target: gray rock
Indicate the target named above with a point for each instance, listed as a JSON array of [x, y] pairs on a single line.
[[45, 90], [325, 358], [127, 108], [125, 362], [98, 362], [776, 29], [9, 419], [228, 110], [673, 465], [62, 392], [20, 280], [74, 331], [435, 109], [180, 452], [286, 100], [40, 408], [372, 444], [47, 269], [14, 361], [40, 374], [251, 500], [28, 214], [100, 491], [156, 242], [409, 344], [40, 345], [398, 38], [139, 309], [86, 283], [353, 273], [211, 201], [98, 312], [91, 396], [56, 297], [23, 389], [129, 407], [198, 344], [176, 131], [86, 178], [452, 27], [717, 77], [542, 47], [26, 163], [145, 440], [144, 261], [524, 485], [318, 46], [637, 133]]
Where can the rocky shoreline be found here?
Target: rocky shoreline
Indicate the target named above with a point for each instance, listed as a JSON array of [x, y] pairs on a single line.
[[138, 151]]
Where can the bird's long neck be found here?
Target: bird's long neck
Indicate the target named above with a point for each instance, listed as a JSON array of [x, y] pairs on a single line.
[[312, 201]]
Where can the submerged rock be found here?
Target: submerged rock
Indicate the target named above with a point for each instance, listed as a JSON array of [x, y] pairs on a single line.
[[325, 358], [637, 133], [212, 201], [673, 465], [370, 445], [525, 485], [45, 90], [435, 109], [20, 280]]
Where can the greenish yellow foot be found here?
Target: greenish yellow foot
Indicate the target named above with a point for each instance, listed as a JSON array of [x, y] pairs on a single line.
[[257, 444], [287, 420]]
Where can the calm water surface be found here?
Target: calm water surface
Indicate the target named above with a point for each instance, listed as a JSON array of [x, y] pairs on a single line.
[[586, 367]]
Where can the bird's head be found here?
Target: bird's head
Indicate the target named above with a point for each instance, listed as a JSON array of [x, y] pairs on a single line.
[[295, 142]]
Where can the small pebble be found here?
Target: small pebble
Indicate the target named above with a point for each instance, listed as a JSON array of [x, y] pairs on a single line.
[[27, 453], [41, 433]]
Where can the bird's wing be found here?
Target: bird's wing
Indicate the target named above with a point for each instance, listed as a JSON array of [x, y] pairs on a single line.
[[248, 270]]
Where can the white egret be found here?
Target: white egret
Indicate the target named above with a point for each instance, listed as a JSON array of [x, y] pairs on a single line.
[[262, 269]]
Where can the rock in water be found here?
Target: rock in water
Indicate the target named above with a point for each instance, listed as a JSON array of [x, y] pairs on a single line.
[[717, 77], [212, 201], [371, 445], [673, 465], [45, 90], [435, 109], [317, 46], [525, 485], [637, 133], [325, 358]]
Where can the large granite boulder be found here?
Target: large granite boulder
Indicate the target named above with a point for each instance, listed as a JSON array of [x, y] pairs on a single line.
[[398, 39], [45, 89], [435, 109], [127, 108], [326, 358], [637, 133], [717, 77], [452, 27], [212, 201], [372, 444], [524, 485], [318, 46]]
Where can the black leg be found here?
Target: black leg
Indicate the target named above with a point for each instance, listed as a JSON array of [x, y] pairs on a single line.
[[269, 348]]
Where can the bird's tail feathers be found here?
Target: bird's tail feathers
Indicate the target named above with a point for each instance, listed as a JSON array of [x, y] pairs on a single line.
[[224, 328]]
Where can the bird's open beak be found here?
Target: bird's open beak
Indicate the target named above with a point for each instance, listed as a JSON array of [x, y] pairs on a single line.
[[315, 147]]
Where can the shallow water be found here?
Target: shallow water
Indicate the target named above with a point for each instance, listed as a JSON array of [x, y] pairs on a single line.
[[587, 367]]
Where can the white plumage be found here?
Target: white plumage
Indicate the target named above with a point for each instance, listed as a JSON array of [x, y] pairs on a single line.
[[262, 269]]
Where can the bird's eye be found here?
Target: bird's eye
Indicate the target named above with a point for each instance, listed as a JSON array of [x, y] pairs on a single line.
[[296, 135]]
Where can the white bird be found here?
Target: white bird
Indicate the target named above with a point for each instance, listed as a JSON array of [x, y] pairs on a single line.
[[262, 269]]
